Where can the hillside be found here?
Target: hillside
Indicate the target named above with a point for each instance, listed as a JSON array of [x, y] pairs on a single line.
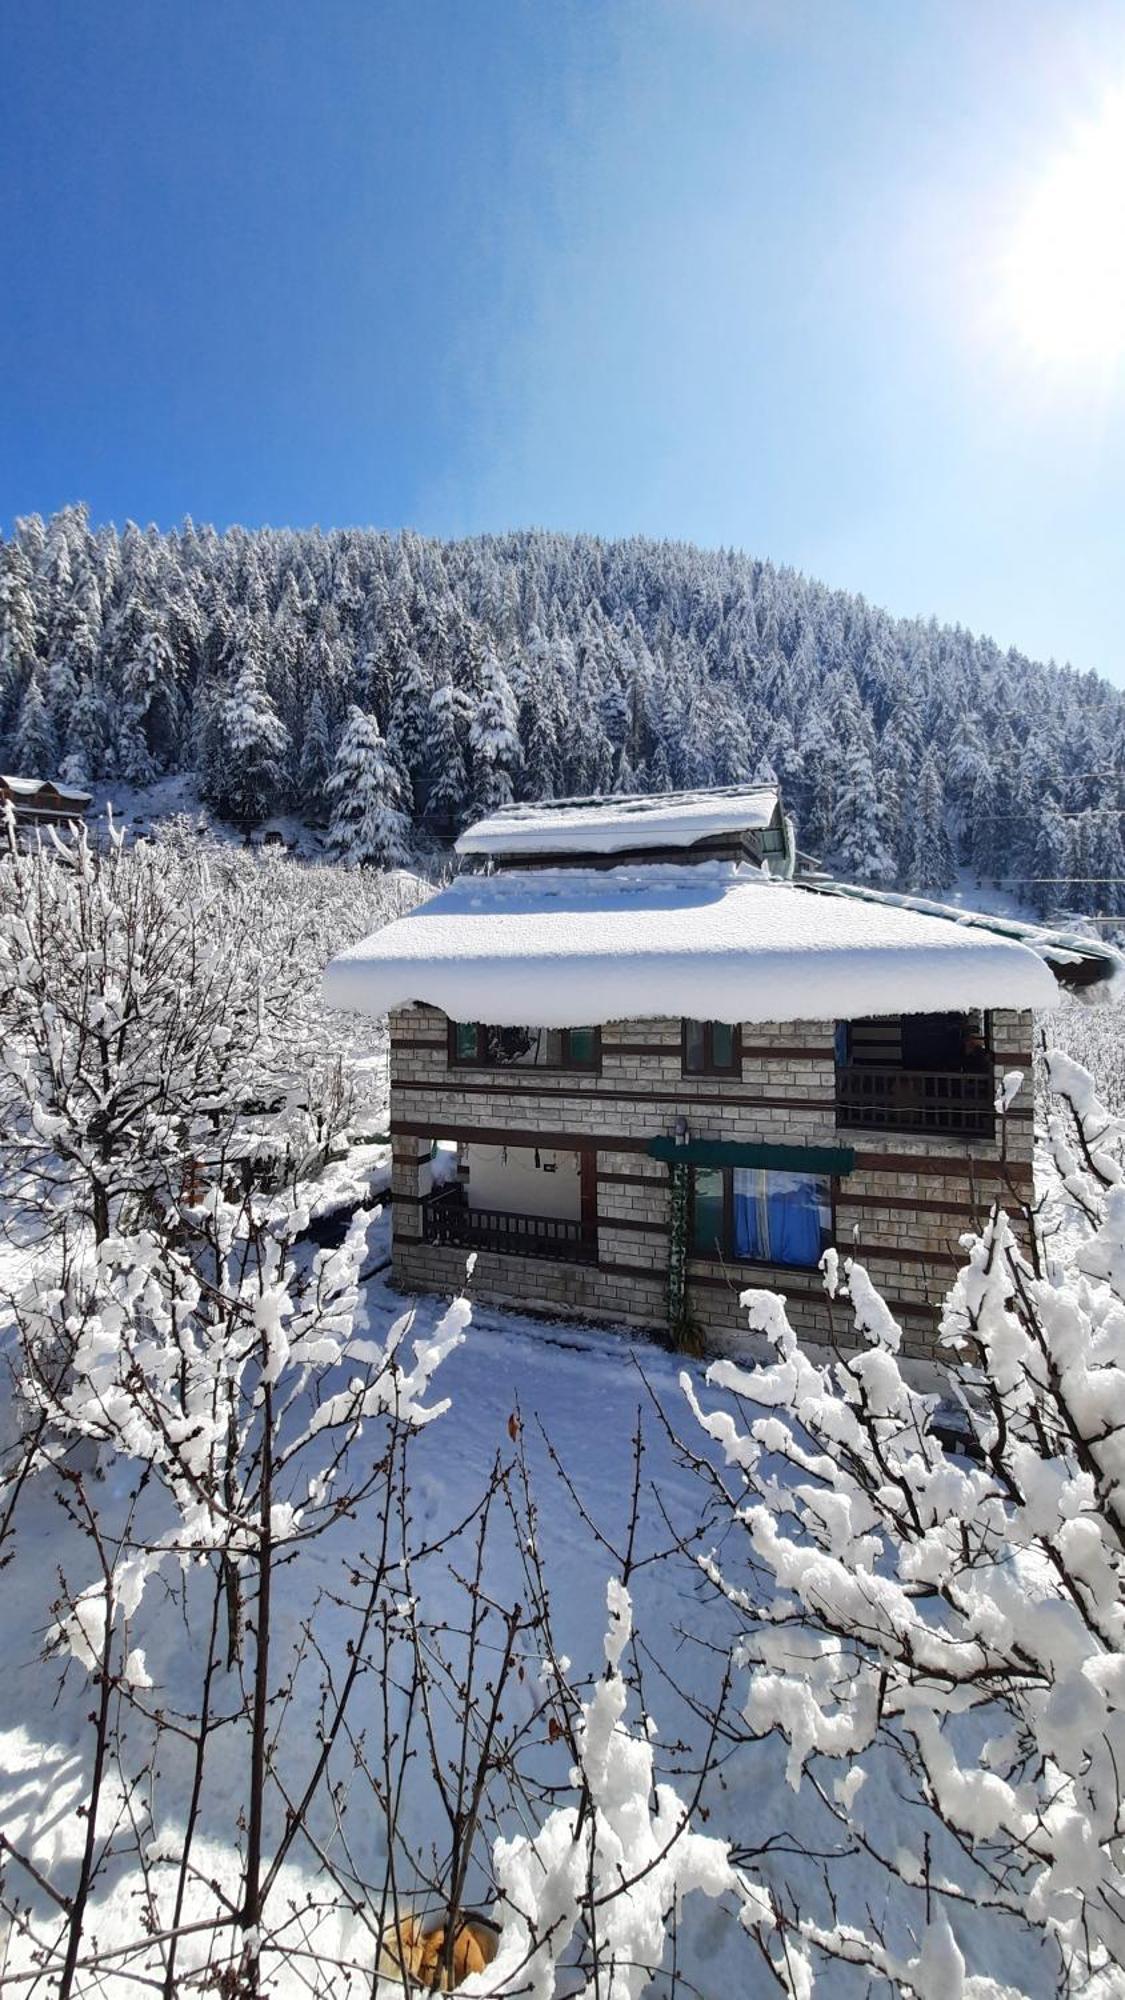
[[536, 663]]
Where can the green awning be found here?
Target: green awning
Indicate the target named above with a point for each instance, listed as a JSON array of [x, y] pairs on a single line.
[[733, 1153]]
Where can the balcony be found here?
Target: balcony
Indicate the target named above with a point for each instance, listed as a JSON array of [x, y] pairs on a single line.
[[948, 1103], [447, 1219]]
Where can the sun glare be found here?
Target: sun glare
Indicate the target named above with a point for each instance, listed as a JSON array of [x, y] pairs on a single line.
[[1064, 274]]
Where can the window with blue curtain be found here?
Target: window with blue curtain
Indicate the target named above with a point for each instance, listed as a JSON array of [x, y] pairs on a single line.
[[761, 1215], [780, 1218]]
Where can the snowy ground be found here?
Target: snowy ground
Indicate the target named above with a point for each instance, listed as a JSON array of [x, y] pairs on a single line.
[[585, 1388], [142, 808]]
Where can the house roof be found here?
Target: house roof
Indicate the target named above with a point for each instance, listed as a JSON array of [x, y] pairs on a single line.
[[613, 825], [1076, 960], [718, 940], [30, 788]]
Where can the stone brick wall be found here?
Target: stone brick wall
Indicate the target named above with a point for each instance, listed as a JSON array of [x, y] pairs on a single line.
[[902, 1210]]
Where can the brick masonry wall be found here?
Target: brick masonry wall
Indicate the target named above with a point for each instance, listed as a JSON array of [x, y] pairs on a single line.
[[902, 1210]]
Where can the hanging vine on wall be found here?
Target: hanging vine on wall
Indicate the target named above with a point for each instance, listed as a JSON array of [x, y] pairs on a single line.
[[678, 1321]]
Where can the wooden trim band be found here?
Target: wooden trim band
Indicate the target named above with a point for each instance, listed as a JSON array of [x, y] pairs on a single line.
[[1019, 1173], [635, 1223], [682, 1100], [759, 1052], [505, 1135], [963, 1166], [658, 1180]]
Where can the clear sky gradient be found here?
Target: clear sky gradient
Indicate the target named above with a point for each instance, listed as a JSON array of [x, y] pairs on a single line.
[[732, 271]]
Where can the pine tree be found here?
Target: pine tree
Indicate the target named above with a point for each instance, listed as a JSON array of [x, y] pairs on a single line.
[[87, 738], [1107, 864], [367, 828], [60, 695], [148, 723], [984, 847], [315, 761], [1080, 892], [245, 770], [1048, 863], [538, 731], [931, 859], [493, 740], [33, 746], [19, 625], [862, 853], [660, 771], [408, 726], [447, 784]]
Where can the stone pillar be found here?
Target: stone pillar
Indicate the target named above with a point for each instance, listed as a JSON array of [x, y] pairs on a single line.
[[410, 1180]]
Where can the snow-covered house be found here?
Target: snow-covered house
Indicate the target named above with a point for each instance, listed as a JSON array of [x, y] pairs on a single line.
[[638, 1065], [42, 802]]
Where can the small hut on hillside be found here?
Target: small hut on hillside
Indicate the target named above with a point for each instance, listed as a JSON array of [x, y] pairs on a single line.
[[42, 802]]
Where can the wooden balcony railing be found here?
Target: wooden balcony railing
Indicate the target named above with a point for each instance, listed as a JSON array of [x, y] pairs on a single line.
[[915, 1100], [447, 1219]]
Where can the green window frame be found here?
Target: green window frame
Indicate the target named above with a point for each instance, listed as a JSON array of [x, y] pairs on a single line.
[[711, 1048], [479, 1045], [762, 1215]]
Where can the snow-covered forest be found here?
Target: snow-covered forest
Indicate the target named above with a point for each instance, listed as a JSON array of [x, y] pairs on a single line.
[[372, 682]]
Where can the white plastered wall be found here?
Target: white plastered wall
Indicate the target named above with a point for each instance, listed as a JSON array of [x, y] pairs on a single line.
[[507, 1177]]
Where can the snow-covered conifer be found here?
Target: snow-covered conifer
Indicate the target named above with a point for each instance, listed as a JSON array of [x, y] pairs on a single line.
[[984, 843], [861, 851], [493, 740], [931, 854], [447, 781], [368, 828], [408, 726], [33, 745], [316, 759], [19, 625], [1047, 881], [245, 775]]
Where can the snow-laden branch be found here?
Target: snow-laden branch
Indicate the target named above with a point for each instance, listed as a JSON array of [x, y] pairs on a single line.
[[614, 1867], [964, 1607]]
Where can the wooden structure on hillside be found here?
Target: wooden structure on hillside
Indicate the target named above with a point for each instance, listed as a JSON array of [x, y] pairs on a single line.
[[42, 802]]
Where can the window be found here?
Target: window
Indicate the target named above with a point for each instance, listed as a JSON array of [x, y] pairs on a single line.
[[473, 1044], [711, 1048], [761, 1215]]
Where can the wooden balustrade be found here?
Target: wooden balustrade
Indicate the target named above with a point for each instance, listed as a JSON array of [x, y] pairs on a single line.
[[957, 1102], [448, 1219]]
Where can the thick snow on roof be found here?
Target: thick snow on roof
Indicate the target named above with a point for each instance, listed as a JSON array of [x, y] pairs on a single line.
[[609, 826], [28, 788], [715, 940]]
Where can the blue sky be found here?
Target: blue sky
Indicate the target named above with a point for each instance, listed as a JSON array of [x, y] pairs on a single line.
[[734, 271]]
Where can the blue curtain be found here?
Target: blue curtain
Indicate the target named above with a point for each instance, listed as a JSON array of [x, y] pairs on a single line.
[[751, 1222], [794, 1215], [778, 1217]]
